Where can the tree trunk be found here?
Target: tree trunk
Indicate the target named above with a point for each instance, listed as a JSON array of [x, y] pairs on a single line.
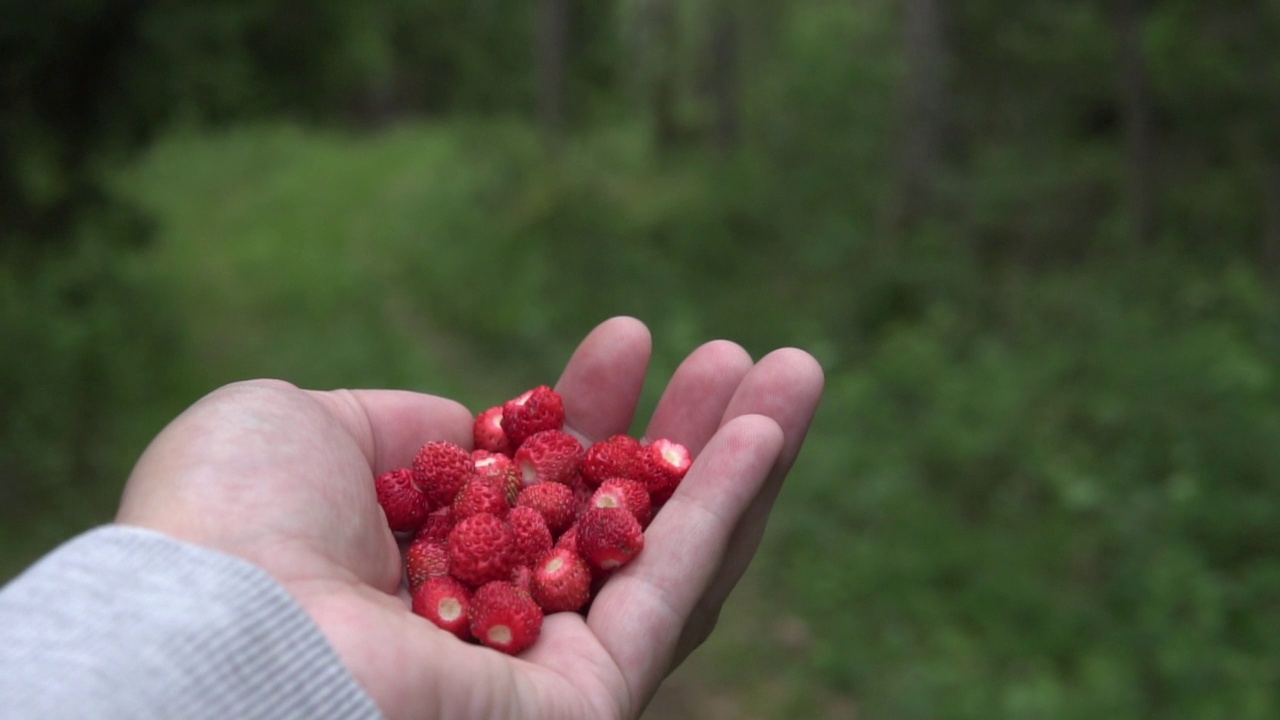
[[1135, 108], [551, 52], [665, 25], [924, 111], [724, 77], [1263, 123], [1271, 220]]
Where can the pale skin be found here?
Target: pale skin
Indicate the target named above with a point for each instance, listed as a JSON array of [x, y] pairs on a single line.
[[283, 478]]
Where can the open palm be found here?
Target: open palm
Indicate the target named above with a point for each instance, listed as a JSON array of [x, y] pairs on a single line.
[[284, 478]]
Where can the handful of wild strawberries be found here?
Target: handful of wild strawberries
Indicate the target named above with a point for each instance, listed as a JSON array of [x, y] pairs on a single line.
[[530, 522]]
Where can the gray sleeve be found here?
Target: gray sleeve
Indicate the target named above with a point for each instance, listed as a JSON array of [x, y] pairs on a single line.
[[122, 622]]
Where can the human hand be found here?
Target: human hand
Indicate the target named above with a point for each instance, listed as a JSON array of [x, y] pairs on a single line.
[[283, 478]]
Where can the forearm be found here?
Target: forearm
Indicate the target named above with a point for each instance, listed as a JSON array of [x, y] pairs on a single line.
[[127, 623]]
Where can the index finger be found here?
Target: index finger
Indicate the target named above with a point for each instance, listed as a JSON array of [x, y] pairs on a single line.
[[602, 381]]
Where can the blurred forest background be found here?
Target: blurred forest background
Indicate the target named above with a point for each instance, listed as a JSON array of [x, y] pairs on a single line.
[[1035, 244]]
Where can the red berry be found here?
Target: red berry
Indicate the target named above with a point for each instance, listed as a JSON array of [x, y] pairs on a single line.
[[522, 577], [499, 468], [528, 522], [446, 602], [487, 432], [569, 540], [582, 492], [553, 501], [438, 525], [504, 617], [617, 456], [531, 412], [665, 465], [480, 549], [549, 456], [405, 507], [480, 495], [532, 538], [623, 493], [609, 537], [561, 582], [425, 558], [440, 469]]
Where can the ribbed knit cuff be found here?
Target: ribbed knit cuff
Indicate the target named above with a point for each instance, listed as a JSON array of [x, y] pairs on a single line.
[[122, 622]]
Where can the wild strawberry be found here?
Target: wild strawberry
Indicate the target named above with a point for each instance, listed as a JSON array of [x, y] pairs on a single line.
[[425, 558], [553, 501], [437, 525], [480, 549], [568, 540], [533, 411], [609, 538], [528, 522], [582, 492], [665, 463], [444, 601], [623, 493], [561, 582], [404, 506], [440, 469], [549, 456], [501, 469], [480, 495], [614, 457], [504, 617], [522, 577], [487, 432], [532, 538]]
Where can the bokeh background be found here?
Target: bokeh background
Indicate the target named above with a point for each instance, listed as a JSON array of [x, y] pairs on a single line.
[[1034, 243]]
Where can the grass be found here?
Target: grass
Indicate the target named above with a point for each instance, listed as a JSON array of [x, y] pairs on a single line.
[[280, 267]]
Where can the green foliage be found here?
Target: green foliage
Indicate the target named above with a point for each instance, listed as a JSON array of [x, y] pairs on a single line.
[[1070, 514], [317, 246], [822, 111], [93, 367], [456, 226]]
